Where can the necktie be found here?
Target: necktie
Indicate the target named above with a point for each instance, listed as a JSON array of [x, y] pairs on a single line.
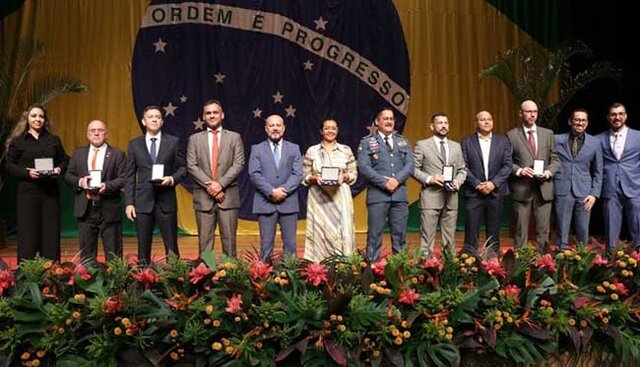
[[617, 149], [153, 150], [574, 147], [532, 143], [276, 154], [443, 152], [214, 155], [94, 158], [387, 144]]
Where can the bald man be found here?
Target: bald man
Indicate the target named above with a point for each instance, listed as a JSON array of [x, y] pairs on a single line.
[[488, 158], [531, 190], [97, 205]]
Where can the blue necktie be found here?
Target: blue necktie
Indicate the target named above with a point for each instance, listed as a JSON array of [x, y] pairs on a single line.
[[153, 150], [276, 154]]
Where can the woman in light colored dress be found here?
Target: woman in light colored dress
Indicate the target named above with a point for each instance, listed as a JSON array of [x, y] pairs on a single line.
[[329, 207]]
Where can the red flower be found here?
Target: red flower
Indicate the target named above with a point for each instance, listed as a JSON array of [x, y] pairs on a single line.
[[6, 280], [259, 269], [492, 267], [512, 292], [636, 255], [79, 270], [620, 287], [234, 304], [599, 260], [378, 267], [433, 263], [114, 304], [198, 273], [546, 262], [147, 277], [408, 296], [315, 273]]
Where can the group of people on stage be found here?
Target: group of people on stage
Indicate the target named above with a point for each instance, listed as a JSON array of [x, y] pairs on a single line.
[[541, 170]]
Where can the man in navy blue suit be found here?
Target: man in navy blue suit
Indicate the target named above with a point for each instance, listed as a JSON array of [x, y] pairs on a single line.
[[149, 201], [385, 159], [578, 181], [275, 170], [621, 177], [488, 158]]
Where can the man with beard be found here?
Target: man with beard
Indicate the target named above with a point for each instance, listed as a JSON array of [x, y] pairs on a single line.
[[621, 178], [385, 160], [215, 158], [441, 170], [275, 170]]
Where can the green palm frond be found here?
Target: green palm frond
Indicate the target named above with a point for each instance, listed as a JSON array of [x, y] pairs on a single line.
[[45, 89]]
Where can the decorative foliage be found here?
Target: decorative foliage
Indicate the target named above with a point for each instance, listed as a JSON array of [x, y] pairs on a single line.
[[405, 310], [535, 73]]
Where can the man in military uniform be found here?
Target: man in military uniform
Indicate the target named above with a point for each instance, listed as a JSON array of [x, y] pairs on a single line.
[[385, 159]]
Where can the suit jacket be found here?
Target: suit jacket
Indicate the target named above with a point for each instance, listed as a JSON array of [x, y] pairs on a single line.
[[113, 176], [138, 189], [500, 165], [375, 162], [624, 172], [265, 177], [522, 188], [580, 176], [230, 164], [429, 162]]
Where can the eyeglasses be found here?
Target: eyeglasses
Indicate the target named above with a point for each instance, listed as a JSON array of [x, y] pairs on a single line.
[[97, 131]]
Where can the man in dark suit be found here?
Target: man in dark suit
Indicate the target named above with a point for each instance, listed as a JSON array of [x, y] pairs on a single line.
[[621, 177], [532, 190], [385, 159], [578, 182], [216, 196], [275, 170], [439, 194], [149, 201], [98, 210], [488, 157]]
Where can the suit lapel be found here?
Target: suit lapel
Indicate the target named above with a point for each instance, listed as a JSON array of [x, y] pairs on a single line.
[[564, 146], [106, 164], [525, 140]]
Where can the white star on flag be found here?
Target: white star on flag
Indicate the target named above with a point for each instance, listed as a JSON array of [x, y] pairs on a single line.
[[219, 77], [308, 65], [198, 124], [257, 113], [277, 98], [320, 23], [160, 45], [169, 110], [290, 111], [183, 99]]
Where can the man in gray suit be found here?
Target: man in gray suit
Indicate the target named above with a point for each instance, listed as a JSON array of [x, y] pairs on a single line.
[[98, 210], [578, 181], [275, 170], [532, 190], [439, 195], [386, 161], [215, 158]]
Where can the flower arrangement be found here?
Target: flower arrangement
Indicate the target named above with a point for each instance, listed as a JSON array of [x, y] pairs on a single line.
[[405, 310]]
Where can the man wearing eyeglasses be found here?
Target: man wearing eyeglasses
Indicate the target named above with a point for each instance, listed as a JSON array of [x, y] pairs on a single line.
[[621, 177], [97, 204]]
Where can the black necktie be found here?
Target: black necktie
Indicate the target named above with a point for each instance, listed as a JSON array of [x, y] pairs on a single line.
[[443, 152], [386, 142], [574, 147], [153, 151]]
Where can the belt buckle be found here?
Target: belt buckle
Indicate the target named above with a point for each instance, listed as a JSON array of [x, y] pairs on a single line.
[[95, 203]]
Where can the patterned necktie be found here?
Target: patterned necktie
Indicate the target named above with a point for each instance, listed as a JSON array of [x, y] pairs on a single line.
[[387, 144], [276, 154], [94, 158], [617, 149], [532, 143], [153, 152], [214, 155], [443, 152]]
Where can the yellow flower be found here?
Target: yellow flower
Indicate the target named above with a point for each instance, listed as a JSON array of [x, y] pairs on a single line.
[[398, 341], [614, 296], [237, 319], [216, 346], [498, 313], [229, 350], [600, 289], [207, 321], [208, 310], [395, 332], [76, 314], [406, 334], [25, 356], [117, 331], [577, 257], [47, 265], [449, 336], [449, 330], [572, 322], [68, 322], [222, 273], [342, 328], [383, 283], [339, 318], [216, 323], [174, 356], [333, 317], [35, 363], [126, 322], [605, 320], [41, 353], [376, 353], [174, 333], [60, 331], [404, 324], [583, 323], [226, 342], [80, 297]]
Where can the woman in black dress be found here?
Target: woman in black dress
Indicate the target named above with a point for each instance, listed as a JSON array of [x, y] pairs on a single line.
[[38, 197]]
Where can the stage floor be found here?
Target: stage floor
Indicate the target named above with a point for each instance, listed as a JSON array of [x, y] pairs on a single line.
[[246, 244]]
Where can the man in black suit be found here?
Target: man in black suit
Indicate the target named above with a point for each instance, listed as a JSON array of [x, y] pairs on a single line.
[[488, 158], [152, 199], [98, 210]]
